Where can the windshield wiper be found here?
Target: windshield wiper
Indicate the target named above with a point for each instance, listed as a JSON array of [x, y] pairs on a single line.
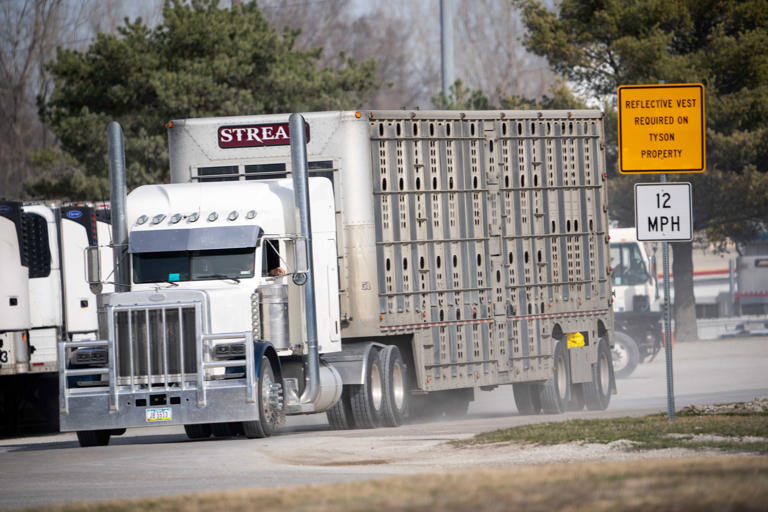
[[171, 283], [220, 276]]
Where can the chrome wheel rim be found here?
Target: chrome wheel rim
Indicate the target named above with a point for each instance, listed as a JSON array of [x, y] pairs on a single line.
[[604, 374], [376, 391], [266, 388], [398, 386], [620, 356], [562, 383]]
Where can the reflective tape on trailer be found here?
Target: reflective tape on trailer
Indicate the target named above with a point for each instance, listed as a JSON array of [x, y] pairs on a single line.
[[428, 325], [435, 324]]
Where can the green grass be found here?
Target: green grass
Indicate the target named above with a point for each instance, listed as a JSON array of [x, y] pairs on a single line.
[[648, 433]]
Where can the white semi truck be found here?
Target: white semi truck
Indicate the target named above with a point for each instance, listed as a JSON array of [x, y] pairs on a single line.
[[45, 298], [638, 304], [367, 264]]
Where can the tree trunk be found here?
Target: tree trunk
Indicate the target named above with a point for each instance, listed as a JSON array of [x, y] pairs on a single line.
[[685, 302]]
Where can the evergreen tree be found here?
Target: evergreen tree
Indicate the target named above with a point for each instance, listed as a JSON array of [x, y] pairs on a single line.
[[721, 43], [201, 60]]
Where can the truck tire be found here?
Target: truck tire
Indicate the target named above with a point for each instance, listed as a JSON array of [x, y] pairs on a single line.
[[199, 431], [527, 397], [625, 355], [395, 386], [556, 392], [268, 414], [93, 437], [340, 415], [597, 393], [367, 399]]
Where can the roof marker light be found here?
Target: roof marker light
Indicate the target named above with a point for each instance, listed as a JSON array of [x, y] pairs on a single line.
[[192, 217], [232, 215], [157, 219], [141, 220], [175, 218], [251, 214], [212, 216]]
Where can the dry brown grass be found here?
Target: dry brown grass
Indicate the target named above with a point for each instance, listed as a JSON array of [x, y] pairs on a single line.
[[707, 483]]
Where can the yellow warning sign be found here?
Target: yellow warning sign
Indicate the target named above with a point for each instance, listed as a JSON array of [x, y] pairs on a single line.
[[661, 128]]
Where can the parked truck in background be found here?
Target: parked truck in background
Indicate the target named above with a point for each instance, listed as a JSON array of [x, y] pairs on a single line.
[[637, 305], [44, 298], [752, 284], [400, 261]]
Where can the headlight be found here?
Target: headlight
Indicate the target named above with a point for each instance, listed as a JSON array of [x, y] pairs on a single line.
[[89, 356], [224, 351]]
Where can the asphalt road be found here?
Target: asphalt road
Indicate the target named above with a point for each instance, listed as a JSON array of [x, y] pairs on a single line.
[[162, 461]]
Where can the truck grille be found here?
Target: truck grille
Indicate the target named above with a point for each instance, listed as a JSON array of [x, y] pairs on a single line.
[[156, 345]]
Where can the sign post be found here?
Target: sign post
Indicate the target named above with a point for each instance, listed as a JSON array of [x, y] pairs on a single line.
[[663, 213], [661, 130]]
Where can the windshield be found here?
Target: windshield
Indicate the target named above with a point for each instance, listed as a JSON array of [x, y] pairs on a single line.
[[157, 267], [628, 266]]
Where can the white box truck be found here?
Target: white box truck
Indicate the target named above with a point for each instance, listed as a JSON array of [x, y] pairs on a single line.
[[638, 303], [428, 255], [45, 298]]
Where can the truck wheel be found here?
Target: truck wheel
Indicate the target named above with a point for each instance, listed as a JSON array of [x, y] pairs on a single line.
[[625, 354], [340, 415], [395, 386], [268, 414], [367, 399], [200, 431], [556, 392], [527, 397], [597, 393], [93, 437]]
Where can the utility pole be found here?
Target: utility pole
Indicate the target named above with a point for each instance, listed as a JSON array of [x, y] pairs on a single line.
[[446, 45]]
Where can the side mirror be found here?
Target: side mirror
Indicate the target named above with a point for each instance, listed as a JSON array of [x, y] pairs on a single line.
[[300, 255], [93, 268]]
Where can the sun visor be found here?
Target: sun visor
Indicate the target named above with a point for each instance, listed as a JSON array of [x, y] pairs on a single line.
[[199, 239]]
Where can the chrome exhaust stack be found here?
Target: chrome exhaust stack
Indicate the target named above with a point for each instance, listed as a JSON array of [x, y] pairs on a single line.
[[117, 201], [301, 196]]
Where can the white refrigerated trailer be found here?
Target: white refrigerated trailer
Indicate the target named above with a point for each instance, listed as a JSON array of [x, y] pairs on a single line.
[[451, 252], [45, 298]]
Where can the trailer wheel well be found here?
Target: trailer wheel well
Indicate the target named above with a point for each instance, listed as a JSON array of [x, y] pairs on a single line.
[[602, 331], [404, 343]]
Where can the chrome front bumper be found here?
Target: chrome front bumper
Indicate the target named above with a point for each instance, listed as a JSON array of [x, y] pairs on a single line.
[[149, 382]]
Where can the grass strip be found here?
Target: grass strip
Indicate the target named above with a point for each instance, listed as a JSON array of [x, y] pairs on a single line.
[[711, 483], [743, 432]]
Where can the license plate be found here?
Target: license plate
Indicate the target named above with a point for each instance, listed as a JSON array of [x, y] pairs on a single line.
[[159, 414]]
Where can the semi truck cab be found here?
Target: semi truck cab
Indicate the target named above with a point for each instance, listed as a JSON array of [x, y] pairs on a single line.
[[205, 306], [637, 305]]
